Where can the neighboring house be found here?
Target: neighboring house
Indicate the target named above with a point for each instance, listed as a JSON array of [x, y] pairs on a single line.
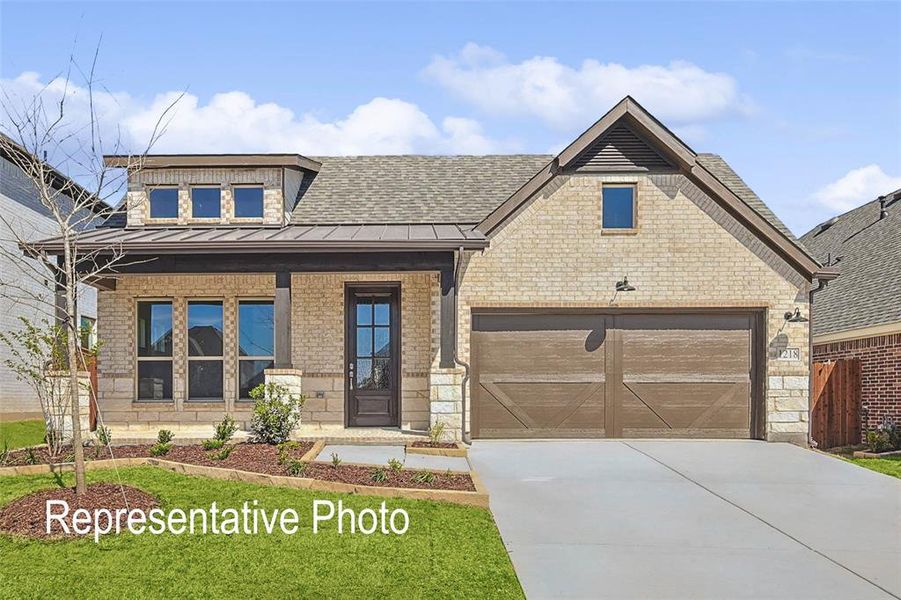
[[859, 315], [626, 287], [23, 215]]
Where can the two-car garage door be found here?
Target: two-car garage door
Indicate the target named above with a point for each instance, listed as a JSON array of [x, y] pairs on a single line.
[[557, 374]]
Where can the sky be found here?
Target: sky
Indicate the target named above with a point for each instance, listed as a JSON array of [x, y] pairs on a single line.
[[802, 99]]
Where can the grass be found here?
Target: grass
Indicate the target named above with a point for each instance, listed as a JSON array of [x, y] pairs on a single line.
[[19, 434], [891, 465], [448, 551]]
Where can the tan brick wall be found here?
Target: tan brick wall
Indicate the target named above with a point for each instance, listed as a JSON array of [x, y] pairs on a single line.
[[270, 178], [555, 254], [318, 341]]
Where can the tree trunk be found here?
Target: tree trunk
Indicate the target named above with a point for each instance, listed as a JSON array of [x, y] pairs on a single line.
[[72, 353]]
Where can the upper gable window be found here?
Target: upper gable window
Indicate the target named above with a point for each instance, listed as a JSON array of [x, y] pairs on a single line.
[[164, 203], [618, 206], [205, 202], [249, 202]]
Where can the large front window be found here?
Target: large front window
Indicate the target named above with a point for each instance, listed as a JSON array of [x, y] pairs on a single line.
[[164, 203], [205, 343], [154, 350], [248, 202], [206, 202], [256, 343]]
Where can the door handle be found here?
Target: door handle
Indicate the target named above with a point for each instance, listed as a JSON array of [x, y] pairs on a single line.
[[350, 373]]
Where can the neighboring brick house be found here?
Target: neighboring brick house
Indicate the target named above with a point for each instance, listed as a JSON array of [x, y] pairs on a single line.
[[859, 315], [627, 287], [24, 296]]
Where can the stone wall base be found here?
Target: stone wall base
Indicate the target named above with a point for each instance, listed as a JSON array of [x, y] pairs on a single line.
[[796, 438]]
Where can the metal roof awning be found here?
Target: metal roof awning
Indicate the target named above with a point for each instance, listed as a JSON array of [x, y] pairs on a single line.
[[292, 238]]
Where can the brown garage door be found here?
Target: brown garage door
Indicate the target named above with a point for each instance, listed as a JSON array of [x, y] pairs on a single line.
[[603, 375]]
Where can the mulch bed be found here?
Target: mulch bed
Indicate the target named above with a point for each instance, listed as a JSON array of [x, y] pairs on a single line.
[[26, 516], [423, 444], [263, 458]]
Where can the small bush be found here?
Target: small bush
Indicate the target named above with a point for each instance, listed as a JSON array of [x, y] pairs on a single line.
[[426, 477], [32, 459], [164, 436], [284, 451], [225, 429], [275, 412], [336, 460], [436, 432], [103, 435], [160, 449], [297, 468], [395, 465], [223, 453], [4, 454], [379, 475], [213, 444]]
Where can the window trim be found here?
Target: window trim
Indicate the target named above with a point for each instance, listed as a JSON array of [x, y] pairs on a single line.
[[238, 357], [189, 358], [149, 190], [205, 186], [621, 230], [138, 359], [234, 214]]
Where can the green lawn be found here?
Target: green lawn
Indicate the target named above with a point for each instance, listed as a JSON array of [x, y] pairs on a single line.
[[449, 551], [19, 434], [889, 465]]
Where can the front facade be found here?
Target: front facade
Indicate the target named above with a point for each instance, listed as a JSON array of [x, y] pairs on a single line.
[[627, 287], [25, 295], [859, 316]]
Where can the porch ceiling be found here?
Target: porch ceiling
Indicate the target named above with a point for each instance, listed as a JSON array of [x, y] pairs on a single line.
[[293, 238]]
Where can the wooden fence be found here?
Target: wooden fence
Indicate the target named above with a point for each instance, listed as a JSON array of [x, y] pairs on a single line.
[[835, 412]]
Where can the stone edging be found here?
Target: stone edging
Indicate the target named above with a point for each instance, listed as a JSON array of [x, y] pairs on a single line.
[[478, 498], [459, 451], [868, 454]]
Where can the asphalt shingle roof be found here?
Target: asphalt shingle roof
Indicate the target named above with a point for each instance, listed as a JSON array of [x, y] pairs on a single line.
[[868, 254], [412, 188]]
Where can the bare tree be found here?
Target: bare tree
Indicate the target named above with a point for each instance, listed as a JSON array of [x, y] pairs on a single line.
[[39, 132]]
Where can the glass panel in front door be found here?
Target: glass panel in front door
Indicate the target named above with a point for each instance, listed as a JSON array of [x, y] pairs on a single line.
[[373, 344]]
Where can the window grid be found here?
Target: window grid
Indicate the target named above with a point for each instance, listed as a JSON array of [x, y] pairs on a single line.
[[152, 359], [220, 358]]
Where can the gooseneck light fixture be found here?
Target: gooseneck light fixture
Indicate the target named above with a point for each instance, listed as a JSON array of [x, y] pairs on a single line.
[[623, 286], [795, 317]]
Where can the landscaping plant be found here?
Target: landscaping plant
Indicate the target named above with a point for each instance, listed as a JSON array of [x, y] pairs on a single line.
[[336, 460], [284, 451], [436, 432], [212, 444], [885, 437], [395, 465], [4, 454], [104, 437], [223, 453], [163, 443], [426, 477], [164, 436], [276, 412], [379, 475], [225, 429], [297, 468]]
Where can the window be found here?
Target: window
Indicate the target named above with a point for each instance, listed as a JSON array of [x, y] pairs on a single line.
[[205, 373], [249, 202], [164, 203], [154, 340], [205, 202], [256, 343], [87, 329], [618, 207]]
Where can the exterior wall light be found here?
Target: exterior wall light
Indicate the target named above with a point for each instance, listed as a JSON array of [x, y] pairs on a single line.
[[795, 317], [623, 286]]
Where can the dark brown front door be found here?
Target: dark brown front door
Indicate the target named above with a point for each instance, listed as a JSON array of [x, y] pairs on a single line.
[[372, 356], [545, 374]]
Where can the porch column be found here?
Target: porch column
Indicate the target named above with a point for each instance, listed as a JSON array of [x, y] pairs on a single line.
[[283, 320], [448, 316]]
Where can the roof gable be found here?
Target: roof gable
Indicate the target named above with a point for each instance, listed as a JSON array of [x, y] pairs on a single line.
[[620, 149]]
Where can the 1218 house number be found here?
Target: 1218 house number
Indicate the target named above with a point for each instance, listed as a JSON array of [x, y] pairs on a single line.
[[790, 354]]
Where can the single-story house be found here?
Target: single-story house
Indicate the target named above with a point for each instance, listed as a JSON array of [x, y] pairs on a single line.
[[23, 293], [859, 315], [626, 287]]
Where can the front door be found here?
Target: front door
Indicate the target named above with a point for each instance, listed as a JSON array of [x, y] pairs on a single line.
[[372, 355]]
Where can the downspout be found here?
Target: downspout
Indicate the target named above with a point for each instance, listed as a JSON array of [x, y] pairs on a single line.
[[463, 431], [821, 283]]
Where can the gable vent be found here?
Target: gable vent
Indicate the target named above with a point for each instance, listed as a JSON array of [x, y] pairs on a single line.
[[620, 149]]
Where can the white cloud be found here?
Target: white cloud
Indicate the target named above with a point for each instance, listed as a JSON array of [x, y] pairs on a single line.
[[680, 93], [235, 122], [856, 187]]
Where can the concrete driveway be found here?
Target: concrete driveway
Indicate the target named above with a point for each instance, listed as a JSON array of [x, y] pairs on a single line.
[[692, 519]]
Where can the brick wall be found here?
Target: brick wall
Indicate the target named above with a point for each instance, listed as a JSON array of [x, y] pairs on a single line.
[[683, 255], [184, 179], [880, 374]]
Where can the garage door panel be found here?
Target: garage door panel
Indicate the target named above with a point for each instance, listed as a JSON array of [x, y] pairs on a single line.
[[699, 406]]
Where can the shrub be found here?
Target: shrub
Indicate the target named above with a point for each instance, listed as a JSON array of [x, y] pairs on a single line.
[[32, 459], [379, 475], [225, 429], [4, 454], [336, 460], [275, 412], [878, 440], [297, 468], [164, 436], [894, 433], [223, 453], [436, 432], [426, 477], [160, 449], [284, 451], [212, 444], [103, 435], [395, 465]]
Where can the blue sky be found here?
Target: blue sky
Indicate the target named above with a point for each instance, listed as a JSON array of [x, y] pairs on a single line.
[[803, 99]]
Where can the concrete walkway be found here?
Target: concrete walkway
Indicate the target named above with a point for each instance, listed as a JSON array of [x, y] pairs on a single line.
[[692, 519], [380, 455]]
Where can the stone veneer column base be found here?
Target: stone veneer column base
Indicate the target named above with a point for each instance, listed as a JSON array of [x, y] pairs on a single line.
[[290, 378], [60, 408], [446, 401]]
